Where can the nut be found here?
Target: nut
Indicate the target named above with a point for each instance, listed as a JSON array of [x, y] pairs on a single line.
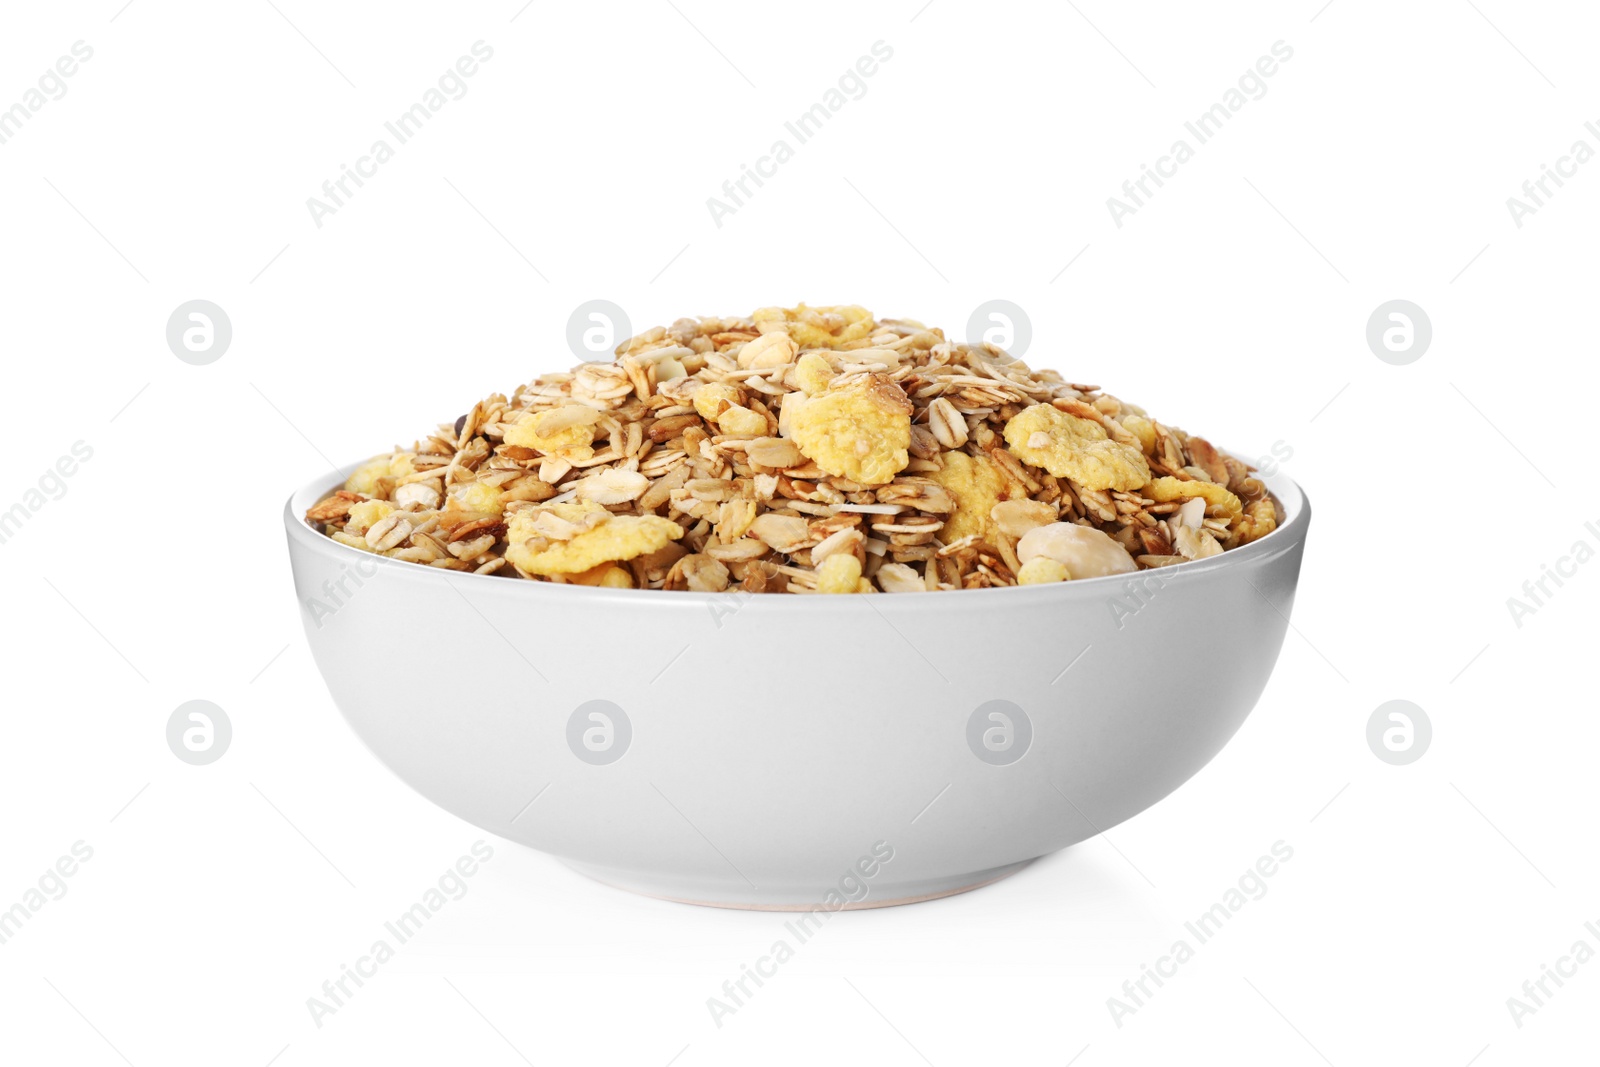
[[775, 349], [1085, 551], [783, 533], [1016, 517], [774, 452], [899, 578], [612, 486], [417, 496]]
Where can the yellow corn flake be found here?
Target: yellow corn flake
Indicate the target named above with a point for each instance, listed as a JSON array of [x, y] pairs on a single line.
[[365, 515], [976, 484], [862, 432], [616, 578], [742, 422], [858, 323], [1259, 519], [713, 399], [1041, 570], [808, 336], [350, 539], [571, 442], [620, 537], [365, 478], [477, 497], [1070, 447], [520, 526], [1141, 428], [839, 573], [1165, 490], [607, 576], [392, 467], [813, 373]]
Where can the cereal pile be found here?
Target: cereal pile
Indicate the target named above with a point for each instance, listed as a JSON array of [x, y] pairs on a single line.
[[801, 450]]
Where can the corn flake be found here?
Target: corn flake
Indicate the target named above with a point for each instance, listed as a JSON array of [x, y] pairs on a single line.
[[839, 573], [1259, 519], [861, 432], [386, 470], [478, 498], [570, 442], [813, 373], [1164, 490], [1070, 447], [712, 399], [806, 324], [1041, 570], [365, 515], [607, 576], [621, 537], [742, 422], [976, 483], [1143, 429]]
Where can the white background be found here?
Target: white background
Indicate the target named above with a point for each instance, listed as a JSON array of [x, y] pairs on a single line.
[[977, 165]]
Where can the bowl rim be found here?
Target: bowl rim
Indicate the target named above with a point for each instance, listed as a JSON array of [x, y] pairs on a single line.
[[1295, 502]]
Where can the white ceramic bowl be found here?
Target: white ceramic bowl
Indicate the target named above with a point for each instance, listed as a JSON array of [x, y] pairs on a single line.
[[772, 751]]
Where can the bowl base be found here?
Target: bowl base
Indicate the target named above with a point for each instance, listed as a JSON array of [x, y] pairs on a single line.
[[743, 897]]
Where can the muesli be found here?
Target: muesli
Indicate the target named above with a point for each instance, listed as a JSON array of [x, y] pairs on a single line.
[[802, 450]]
